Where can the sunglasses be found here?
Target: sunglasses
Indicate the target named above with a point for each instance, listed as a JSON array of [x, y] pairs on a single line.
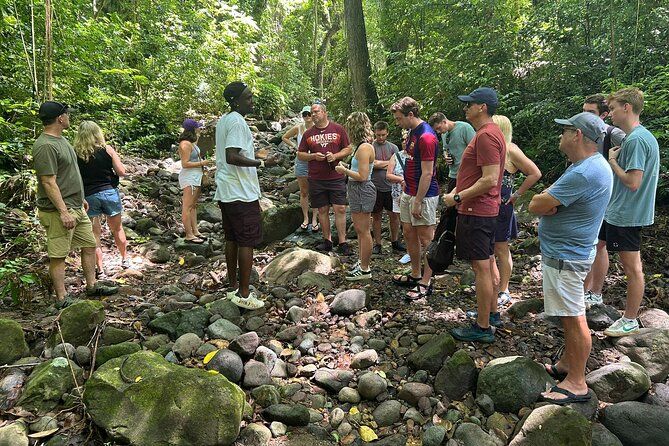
[[471, 104], [305, 114]]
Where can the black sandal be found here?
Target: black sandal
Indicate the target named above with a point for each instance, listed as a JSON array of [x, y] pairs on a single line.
[[405, 280], [571, 397], [420, 291], [554, 372]]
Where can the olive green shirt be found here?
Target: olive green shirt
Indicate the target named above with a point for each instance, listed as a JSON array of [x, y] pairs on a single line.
[[53, 155]]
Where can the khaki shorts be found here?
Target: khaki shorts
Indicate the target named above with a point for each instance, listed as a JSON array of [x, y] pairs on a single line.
[[60, 241], [563, 286], [428, 212]]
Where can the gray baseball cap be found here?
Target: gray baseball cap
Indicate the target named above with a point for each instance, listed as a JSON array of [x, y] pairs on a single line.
[[589, 124]]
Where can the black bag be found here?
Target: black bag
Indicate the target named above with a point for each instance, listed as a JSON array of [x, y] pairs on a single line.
[[441, 250]]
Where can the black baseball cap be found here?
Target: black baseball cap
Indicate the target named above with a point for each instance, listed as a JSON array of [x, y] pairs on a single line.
[[234, 90], [52, 109], [482, 95]]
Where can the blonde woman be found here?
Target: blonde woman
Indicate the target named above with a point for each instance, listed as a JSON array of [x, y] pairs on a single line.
[[507, 228], [302, 169], [361, 190], [190, 178], [100, 168]]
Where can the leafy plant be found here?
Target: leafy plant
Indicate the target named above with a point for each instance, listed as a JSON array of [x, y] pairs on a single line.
[[271, 101], [15, 282]]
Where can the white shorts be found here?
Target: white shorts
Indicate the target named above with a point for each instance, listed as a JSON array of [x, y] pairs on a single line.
[[428, 215], [563, 286], [190, 177]]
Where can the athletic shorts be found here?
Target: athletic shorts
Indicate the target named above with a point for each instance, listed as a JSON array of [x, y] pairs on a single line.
[[428, 215], [475, 237], [384, 200], [327, 192], [106, 202], [60, 241], [242, 222], [507, 226], [619, 238], [361, 196], [563, 286]]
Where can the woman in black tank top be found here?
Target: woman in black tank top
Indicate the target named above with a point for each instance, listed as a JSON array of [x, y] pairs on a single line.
[[100, 168]]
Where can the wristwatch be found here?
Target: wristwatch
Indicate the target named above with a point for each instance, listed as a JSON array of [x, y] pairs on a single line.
[[262, 163], [457, 198]]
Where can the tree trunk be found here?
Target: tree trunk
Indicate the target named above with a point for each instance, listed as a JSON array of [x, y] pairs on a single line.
[[48, 56], [364, 92], [323, 53]]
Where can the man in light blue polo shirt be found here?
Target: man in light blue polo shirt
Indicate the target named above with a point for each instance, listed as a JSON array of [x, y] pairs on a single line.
[[571, 212], [636, 168]]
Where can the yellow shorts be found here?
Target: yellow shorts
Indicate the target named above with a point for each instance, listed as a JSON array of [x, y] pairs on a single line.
[[60, 241]]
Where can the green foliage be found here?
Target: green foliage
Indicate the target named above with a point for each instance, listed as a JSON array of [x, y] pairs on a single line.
[[15, 282], [270, 101]]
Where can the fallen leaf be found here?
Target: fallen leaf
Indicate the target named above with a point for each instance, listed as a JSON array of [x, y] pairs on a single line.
[[43, 433], [209, 357], [138, 379], [367, 434], [181, 261], [320, 297], [353, 411]]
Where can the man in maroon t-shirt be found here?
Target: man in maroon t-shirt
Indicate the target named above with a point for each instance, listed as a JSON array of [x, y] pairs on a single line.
[[324, 145], [477, 196]]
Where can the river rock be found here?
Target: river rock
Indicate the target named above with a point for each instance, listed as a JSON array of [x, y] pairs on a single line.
[[12, 341], [256, 374], [209, 211], [601, 316], [601, 436], [266, 395], [292, 263], [472, 434], [227, 363], [113, 335], [245, 345], [554, 425], [203, 249], [364, 359], [513, 382], [225, 309], [309, 279], [289, 414], [179, 405], [457, 376], [187, 345], [348, 302], [63, 351], [388, 412], [47, 383], [658, 395], [654, 318], [281, 221], [108, 352], [622, 381], [637, 424], [431, 355], [520, 308], [180, 322], [412, 392], [15, 434], [78, 321], [349, 395], [254, 434], [332, 380], [371, 385], [223, 329], [649, 348]]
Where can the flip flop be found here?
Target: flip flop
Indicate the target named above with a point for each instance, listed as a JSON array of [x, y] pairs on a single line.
[[195, 241], [571, 397], [304, 226], [405, 280], [419, 292], [202, 237], [315, 228], [554, 372]]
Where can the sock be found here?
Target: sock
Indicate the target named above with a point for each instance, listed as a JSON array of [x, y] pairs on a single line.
[[629, 321]]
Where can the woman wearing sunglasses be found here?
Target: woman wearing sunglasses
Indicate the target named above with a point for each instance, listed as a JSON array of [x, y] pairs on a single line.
[[302, 169]]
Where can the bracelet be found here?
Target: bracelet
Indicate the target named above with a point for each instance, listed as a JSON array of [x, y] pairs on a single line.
[[262, 163]]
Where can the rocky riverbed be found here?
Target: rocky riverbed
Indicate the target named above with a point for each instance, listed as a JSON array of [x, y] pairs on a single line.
[[169, 361]]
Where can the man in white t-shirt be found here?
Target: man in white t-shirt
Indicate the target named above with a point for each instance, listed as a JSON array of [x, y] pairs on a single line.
[[238, 192]]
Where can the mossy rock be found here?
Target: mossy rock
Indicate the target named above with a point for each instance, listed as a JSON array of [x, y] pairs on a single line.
[[163, 403], [554, 425], [431, 355], [113, 335], [179, 322], [281, 221], [78, 322], [47, 384], [457, 376], [12, 342], [108, 352]]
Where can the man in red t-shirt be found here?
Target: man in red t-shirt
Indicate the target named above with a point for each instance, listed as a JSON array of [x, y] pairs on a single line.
[[323, 146], [477, 196]]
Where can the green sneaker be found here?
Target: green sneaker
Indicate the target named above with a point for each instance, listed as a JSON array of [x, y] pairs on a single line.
[[474, 333], [101, 290], [621, 328]]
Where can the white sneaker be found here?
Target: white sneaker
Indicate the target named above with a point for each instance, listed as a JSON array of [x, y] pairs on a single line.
[[621, 328], [359, 274], [592, 299], [355, 268], [406, 258], [503, 298], [250, 303]]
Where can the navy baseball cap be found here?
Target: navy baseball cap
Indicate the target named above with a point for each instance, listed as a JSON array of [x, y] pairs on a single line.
[[589, 124], [482, 95]]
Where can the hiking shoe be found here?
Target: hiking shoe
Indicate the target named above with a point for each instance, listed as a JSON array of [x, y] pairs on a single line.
[[406, 258], [68, 300], [399, 246], [356, 267], [377, 249], [125, 263], [101, 290], [474, 333], [592, 299], [359, 274], [495, 319], [621, 328], [324, 246], [249, 303], [503, 298], [344, 249]]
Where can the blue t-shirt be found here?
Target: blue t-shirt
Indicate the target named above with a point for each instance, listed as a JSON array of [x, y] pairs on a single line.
[[640, 151], [583, 192]]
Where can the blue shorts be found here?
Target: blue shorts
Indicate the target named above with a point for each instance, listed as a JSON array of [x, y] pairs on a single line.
[[301, 168], [106, 202]]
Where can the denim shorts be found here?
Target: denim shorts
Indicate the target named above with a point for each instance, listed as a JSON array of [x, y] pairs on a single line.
[[106, 202]]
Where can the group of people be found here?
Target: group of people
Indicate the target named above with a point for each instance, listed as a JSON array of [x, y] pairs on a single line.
[[607, 192]]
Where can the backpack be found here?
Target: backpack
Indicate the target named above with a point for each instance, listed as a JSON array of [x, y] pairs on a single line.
[[607, 142], [441, 250]]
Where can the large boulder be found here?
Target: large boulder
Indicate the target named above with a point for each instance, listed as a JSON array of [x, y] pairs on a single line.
[[144, 400], [457, 376], [654, 318], [78, 321], [554, 425], [430, 356], [291, 263], [309, 279], [650, 348], [472, 434], [281, 221], [621, 381], [12, 342], [209, 211], [601, 436], [637, 424], [177, 323], [348, 302], [108, 352], [513, 382], [47, 384]]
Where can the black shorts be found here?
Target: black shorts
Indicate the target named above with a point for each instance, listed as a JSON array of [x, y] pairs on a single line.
[[475, 237], [619, 238], [242, 222], [384, 200], [327, 192]]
